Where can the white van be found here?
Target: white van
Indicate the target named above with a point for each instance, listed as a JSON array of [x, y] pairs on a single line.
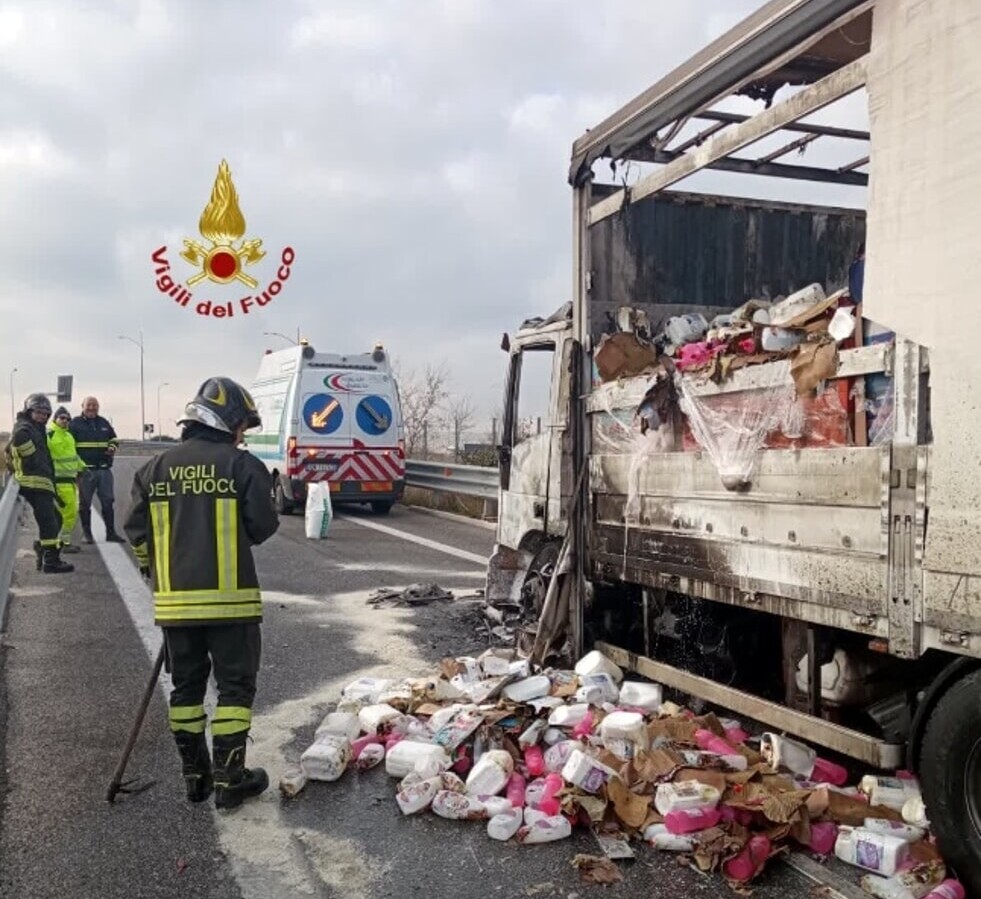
[[328, 417]]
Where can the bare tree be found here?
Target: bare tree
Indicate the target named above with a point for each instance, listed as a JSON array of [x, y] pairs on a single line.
[[422, 394], [461, 413]]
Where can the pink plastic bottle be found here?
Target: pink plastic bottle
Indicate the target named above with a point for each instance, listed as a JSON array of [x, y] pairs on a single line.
[[736, 735], [535, 760], [949, 889], [462, 763], [691, 819], [826, 772], [516, 791], [391, 740], [823, 837], [584, 728], [357, 747], [549, 804], [739, 815], [750, 861], [708, 741]]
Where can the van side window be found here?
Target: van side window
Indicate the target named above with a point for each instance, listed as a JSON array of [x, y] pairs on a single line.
[[534, 393]]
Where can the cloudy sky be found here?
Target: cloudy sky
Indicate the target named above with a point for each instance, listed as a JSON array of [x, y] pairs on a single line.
[[414, 154]]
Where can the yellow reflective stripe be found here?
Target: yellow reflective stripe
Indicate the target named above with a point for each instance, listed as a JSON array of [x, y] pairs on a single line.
[[25, 449], [34, 482], [226, 543], [209, 613], [231, 719], [203, 596], [101, 444], [142, 553], [51, 542], [188, 718], [160, 518]]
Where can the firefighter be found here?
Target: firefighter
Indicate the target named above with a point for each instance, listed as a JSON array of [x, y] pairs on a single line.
[[196, 511], [67, 468], [28, 458]]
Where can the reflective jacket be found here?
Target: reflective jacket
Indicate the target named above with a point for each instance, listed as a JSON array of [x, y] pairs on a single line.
[[196, 511], [27, 455], [61, 445], [93, 437]]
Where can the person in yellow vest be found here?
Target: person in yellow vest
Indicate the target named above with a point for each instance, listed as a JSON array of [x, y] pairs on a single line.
[[67, 467]]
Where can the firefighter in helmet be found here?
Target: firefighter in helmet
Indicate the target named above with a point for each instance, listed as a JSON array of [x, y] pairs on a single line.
[[29, 459], [197, 510]]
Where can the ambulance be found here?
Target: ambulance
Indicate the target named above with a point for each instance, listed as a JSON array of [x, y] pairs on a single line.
[[330, 417]]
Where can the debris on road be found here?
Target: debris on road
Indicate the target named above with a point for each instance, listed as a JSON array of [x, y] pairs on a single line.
[[535, 754], [413, 595]]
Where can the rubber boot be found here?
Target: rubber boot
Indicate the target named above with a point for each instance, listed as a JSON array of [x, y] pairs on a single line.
[[85, 516], [110, 518], [51, 562], [235, 783], [38, 555], [196, 766], [69, 548]]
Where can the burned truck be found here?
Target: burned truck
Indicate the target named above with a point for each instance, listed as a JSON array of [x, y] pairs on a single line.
[[757, 478]]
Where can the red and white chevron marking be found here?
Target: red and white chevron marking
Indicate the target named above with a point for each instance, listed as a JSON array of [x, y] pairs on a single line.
[[363, 465]]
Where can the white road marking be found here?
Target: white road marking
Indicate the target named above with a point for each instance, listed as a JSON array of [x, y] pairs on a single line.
[[421, 541]]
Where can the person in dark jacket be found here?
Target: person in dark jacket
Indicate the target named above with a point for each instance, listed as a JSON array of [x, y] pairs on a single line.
[[29, 459], [197, 510], [96, 442]]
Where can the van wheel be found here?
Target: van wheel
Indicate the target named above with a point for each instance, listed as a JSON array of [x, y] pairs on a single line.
[[282, 504], [382, 508], [950, 771]]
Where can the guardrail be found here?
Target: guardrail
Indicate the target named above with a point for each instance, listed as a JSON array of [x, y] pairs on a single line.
[[468, 480], [9, 507]]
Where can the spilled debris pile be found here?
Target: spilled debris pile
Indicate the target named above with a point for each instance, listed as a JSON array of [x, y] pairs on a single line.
[[413, 595], [533, 755]]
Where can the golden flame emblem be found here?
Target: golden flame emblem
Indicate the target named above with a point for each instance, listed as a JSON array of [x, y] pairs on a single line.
[[222, 224]]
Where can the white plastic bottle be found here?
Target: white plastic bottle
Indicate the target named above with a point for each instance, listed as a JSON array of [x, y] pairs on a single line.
[[875, 852], [624, 733], [892, 792], [458, 806], [341, 724], [371, 717], [415, 797], [406, 754], [894, 828], [504, 825], [595, 662], [688, 795], [528, 689], [597, 689], [660, 837], [910, 883], [545, 830], [639, 695], [586, 772], [491, 774], [326, 759]]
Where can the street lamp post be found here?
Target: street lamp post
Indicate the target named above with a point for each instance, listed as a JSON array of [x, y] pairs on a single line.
[[13, 412], [139, 343], [287, 339], [159, 421]]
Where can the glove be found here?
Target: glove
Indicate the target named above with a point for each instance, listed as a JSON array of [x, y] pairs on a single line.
[[145, 572]]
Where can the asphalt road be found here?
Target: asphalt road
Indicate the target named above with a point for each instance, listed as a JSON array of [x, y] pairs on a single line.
[[76, 655]]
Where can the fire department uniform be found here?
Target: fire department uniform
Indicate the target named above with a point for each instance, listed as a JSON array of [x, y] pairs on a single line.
[[197, 510], [67, 467]]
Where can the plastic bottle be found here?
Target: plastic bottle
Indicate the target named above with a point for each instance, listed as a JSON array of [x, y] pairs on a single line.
[[417, 796], [505, 825], [405, 755], [326, 759], [906, 832], [372, 717], [873, 851], [824, 835], [739, 815], [914, 812], [451, 782], [556, 756], [585, 727], [910, 883], [458, 806], [568, 715], [660, 837], [553, 735], [341, 724], [533, 733], [496, 805], [528, 689], [367, 689], [586, 772], [949, 889], [370, 757], [782, 752], [828, 772], [892, 792], [549, 803], [515, 790], [624, 733], [534, 760], [750, 861], [367, 740], [688, 795], [597, 689], [546, 830], [705, 739], [491, 774], [688, 820], [639, 695], [595, 662], [292, 782]]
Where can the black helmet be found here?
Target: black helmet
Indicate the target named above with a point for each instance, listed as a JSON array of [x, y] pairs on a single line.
[[61, 410], [37, 402], [222, 404]]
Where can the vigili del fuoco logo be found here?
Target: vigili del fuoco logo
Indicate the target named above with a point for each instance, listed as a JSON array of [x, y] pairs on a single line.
[[225, 260]]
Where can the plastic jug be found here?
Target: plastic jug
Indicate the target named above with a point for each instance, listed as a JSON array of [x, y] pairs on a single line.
[[370, 757], [892, 792], [553, 735], [528, 689], [373, 717], [914, 812], [660, 837], [689, 820], [534, 760], [682, 329], [569, 715], [491, 774], [505, 825], [359, 745], [292, 782], [341, 724], [497, 805], [326, 759], [515, 790], [595, 663], [640, 695], [782, 752], [451, 782], [906, 832], [824, 834], [585, 727], [585, 772], [458, 806], [549, 802], [545, 830], [596, 689], [556, 756], [949, 889], [873, 851], [705, 739], [624, 733], [532, 734], [417, 796], [405, 755], [829, 772], [367, 688], [687, 795], [910, 883], [750, 861]]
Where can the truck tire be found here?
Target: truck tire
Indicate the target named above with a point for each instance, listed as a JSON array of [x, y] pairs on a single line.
[[950, 773], [381, 508], [282, 504]]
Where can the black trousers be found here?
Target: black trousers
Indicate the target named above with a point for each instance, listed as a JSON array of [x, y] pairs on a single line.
[[235, 651], [46, 514]]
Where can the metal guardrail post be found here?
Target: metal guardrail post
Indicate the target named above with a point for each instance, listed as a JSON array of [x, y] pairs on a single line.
[[9, 504]]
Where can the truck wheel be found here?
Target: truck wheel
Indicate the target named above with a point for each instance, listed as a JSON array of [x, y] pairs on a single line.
[[950, 772], [381, 508], [282, 504]]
